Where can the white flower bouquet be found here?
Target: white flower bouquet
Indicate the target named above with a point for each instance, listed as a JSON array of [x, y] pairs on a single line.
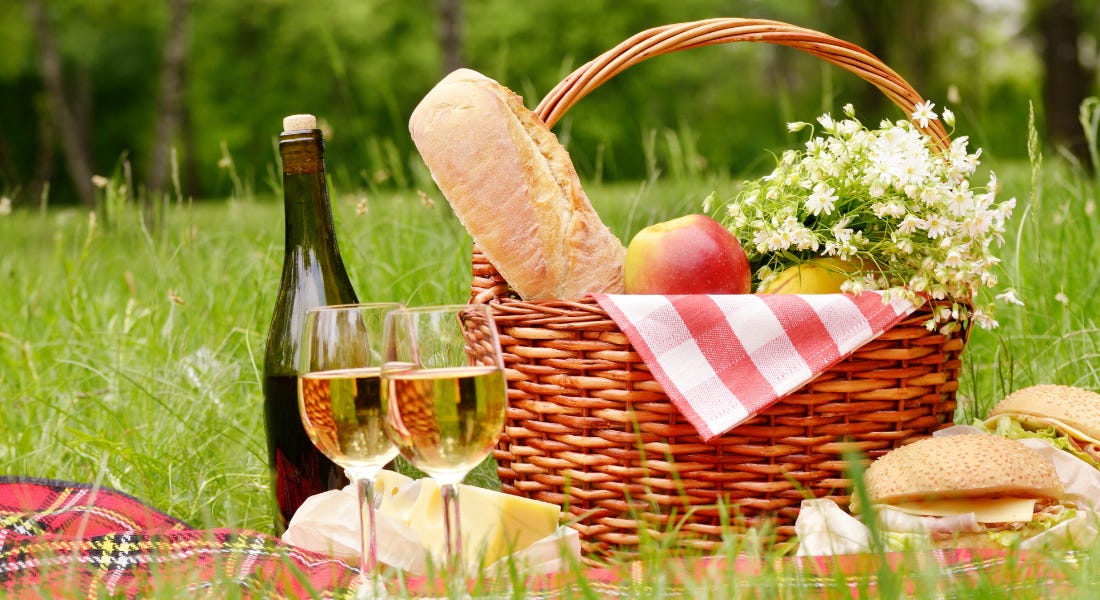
[[885, 200]]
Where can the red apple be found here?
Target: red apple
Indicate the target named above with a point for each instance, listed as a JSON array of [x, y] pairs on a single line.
[[693, 254]]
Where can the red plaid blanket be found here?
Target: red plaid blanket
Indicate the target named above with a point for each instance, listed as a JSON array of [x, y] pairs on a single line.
[[62, 539], [71, 540]]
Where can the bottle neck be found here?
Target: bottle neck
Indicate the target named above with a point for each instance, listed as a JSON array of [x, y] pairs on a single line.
[[308, 214], [313, 271]]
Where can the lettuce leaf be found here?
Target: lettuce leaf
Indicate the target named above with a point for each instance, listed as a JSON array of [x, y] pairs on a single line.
[[1040, 524], [1006, 426], [897, 541]]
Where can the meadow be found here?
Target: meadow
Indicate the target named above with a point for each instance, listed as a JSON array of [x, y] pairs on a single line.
[[130, 353]]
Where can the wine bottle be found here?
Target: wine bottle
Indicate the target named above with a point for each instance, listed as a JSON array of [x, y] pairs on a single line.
[[313, 275]]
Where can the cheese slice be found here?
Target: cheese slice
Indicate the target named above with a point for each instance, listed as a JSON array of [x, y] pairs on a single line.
[[1039, 422], [986, 510], [393, 494], [494, 524], [897, 521]]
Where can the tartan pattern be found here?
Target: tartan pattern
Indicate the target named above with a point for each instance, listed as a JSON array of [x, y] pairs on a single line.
[[71, 540], [74, 540]]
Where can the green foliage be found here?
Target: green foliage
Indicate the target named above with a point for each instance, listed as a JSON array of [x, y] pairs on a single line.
[[132, 358], [363, 65], [1053, 337]]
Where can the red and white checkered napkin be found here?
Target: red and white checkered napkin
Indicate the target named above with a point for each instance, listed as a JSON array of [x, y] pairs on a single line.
[[723, 359]]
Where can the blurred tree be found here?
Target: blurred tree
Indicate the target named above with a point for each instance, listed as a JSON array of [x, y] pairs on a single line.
[[45, 158], [1066, 80], [450, 34], [60, 107], [27, 140], [169, 107]]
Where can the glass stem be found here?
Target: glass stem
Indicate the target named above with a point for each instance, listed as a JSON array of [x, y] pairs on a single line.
[[452, 525], [368, 558]]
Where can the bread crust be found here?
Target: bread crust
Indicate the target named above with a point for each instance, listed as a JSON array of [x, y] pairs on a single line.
[[514, 188], [961, 466], [1078, 408]]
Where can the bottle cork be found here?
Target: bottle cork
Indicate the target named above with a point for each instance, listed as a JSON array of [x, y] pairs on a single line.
[[299, 122]]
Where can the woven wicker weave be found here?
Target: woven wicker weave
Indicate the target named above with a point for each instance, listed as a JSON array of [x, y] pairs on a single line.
[[590, 429]]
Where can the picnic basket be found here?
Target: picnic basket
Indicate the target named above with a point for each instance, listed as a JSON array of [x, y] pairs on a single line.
[[588, 427]]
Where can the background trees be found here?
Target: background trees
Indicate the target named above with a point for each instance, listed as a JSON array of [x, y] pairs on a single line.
[[111, 86]]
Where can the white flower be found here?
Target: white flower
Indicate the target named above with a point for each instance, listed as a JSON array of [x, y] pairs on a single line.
[[821, 200], [960, 202], [894, 209], [983, 319], [5, 206], [904, 244], [853, 287], [923, 113], [978, 224], [796, 126], [912, 223], [841, 231], [804, 239], [936, 226], [886, 198], [816, 147], [848, 127], [1009, 296], [954, 258], [878, 188]]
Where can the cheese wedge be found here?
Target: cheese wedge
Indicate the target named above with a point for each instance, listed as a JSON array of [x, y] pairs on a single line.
[[393, 494], [494, 524], [987, 510]]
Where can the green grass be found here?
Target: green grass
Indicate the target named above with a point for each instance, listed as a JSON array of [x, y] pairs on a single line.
[[131, 357]]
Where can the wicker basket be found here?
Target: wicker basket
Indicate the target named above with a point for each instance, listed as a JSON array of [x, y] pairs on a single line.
[[588, 427]]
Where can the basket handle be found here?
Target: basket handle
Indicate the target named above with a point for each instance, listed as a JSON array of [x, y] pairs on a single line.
[[683, 36]]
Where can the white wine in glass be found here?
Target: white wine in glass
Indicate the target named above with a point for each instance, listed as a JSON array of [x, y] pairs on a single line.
[[342, 414], [444, 395], [446, 420], [339, 397]]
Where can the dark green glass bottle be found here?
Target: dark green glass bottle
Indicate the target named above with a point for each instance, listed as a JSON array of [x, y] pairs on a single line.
[[313, 275]]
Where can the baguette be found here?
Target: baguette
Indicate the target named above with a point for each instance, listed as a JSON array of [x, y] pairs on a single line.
[[514, 188]]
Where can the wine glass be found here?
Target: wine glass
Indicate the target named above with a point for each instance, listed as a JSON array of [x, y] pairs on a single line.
[[444, 395], [340, 404]]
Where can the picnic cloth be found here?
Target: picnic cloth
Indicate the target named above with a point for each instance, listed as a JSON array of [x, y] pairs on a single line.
[[61, 539], [74, 540], [722, 359]]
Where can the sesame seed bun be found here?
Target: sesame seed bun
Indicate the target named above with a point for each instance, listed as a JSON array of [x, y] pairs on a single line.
[[960, 466], [1073, 410]]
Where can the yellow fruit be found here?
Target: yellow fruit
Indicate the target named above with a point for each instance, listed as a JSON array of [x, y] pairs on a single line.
[[815, 276]]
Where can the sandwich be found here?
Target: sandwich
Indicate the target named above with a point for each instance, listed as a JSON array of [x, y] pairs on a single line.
[[969, 491], [1065, 416]]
